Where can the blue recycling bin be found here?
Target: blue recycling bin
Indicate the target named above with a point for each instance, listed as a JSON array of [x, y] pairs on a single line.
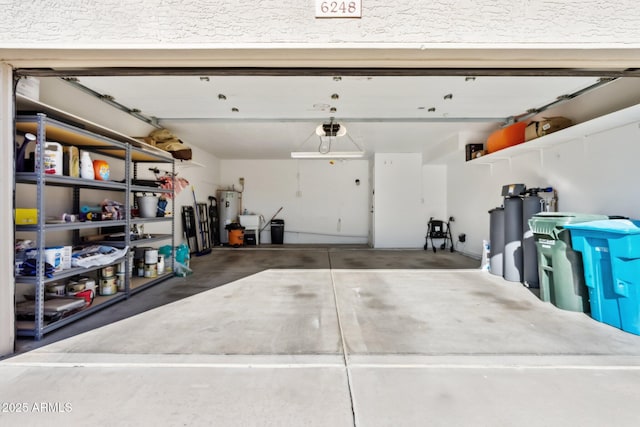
[[611, 257]]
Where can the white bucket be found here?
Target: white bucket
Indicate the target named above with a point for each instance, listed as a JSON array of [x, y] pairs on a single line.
[[151, 256], [53, 158], [148, 206]]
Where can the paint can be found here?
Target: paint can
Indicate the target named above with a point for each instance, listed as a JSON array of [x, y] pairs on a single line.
[[120, 281], [151, 256], [75, 287], [108, 271], [122, 267], [151, 270], [108, 286], [140, 267], [55, 289]]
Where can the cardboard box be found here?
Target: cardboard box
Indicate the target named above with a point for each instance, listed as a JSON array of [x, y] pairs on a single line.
[[71, 162], [26, 216], [479, 154], [67, 251], [52, 256], [545, 126]]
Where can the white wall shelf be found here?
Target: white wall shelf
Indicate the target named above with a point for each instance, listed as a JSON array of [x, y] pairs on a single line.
[[578, 131]]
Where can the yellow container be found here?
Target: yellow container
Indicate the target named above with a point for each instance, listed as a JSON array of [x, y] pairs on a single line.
[[25, 216]]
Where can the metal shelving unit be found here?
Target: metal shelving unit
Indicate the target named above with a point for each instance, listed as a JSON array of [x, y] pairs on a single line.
[[130, 153]]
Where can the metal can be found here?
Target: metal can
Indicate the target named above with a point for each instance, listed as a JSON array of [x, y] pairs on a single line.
[[120, 281], [108, 286], [140, 267], [108, 271], [151, 270]]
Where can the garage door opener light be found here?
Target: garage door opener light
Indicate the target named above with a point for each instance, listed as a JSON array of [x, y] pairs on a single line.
[[328, 133]]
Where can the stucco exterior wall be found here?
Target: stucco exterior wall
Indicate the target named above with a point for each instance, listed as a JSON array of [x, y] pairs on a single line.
[[69, 23]]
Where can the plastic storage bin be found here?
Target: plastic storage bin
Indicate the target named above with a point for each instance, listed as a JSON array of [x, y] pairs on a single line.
[[560, 269], [277, 231], [611, 256]]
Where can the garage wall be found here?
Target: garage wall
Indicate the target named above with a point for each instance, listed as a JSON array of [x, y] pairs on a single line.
[[321, 201], [7, 293], [594, 174], [154, 22], [434, 193], [398, 201]]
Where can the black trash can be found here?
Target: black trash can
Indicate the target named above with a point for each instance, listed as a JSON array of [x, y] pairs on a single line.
[[277, 231]]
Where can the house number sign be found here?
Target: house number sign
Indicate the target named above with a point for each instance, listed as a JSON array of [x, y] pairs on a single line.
[[338, 9]]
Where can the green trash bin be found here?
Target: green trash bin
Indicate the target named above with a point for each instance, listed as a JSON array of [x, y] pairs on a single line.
[[560, 268]]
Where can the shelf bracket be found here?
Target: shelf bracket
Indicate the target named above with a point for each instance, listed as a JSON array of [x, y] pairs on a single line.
[[541, 156]]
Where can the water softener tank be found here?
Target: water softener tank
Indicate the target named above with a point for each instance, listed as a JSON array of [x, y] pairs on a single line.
[[531, 205], [496, 240], [512, 269], [228, 209]]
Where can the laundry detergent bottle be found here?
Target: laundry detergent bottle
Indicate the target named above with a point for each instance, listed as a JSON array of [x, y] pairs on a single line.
[[86, 166]]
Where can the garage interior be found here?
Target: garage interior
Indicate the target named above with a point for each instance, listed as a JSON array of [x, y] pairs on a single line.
[[248, 126], [350, 321]]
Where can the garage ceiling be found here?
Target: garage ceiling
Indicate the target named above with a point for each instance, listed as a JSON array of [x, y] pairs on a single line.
[[267, 117]]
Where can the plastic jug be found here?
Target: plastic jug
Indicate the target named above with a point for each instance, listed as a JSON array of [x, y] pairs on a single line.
[[52, 158], [21, 155], [86, 166]]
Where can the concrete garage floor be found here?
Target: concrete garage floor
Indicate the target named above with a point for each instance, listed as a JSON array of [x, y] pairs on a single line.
[[427, 343]]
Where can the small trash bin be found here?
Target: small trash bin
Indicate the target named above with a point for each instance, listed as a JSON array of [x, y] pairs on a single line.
[[250, 237], [277, 231], [560, 269], [611, 257]]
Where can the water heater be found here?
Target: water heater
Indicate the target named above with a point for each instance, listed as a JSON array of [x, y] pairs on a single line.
[[228, 209]]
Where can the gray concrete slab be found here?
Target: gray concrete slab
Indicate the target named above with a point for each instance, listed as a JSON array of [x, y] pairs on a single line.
[[225, 265], [342, 258], [462, 312], [424, 347], [495, 397], [138, 395], [273, 312]]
